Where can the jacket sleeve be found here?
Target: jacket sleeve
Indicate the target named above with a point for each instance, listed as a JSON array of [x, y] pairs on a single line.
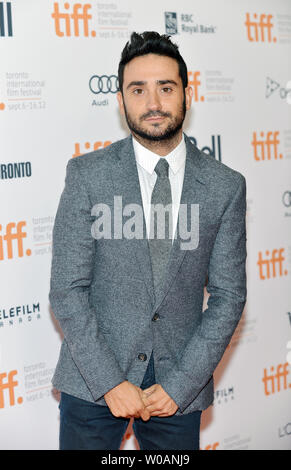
[[227, 289], [71, 276]]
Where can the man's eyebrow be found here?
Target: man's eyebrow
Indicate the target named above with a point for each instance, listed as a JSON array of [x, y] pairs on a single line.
[[136, 83], [164, 82], [142, 82]]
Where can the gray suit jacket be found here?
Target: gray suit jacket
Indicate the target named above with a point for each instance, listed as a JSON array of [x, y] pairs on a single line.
[[102, 291]]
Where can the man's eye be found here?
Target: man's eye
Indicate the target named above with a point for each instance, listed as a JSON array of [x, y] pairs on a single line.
[[166, 89], [138, 91]]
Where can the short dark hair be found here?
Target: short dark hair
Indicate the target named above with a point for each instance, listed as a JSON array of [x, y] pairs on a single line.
[[151, 42]]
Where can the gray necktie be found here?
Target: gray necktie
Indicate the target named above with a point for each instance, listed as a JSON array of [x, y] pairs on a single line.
[[160, 247]]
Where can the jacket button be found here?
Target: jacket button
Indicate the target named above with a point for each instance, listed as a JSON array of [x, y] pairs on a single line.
[[142, 357], [156, 317]]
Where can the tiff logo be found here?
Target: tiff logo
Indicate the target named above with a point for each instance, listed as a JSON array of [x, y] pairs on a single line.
[[193, 80], [275, 260], [257, 27], [68, 24], [212, 446], [266, 147], [97, 145], [7, 20], [7, 382], [275, 379], [10, 235]]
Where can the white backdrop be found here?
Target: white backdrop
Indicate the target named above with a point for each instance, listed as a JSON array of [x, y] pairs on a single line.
[[54, 106]]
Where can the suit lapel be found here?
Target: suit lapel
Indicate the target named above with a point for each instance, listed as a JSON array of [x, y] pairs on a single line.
[[193, 181], [126, 183]]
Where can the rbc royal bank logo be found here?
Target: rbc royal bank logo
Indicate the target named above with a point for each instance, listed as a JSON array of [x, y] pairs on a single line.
[[171, 23]]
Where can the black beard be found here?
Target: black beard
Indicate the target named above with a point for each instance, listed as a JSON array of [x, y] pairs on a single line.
[[170, 132]]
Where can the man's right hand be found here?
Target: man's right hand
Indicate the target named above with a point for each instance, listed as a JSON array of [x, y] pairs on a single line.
[[125, 400]]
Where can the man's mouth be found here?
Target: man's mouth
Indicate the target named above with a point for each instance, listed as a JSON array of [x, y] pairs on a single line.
[[155, 118]]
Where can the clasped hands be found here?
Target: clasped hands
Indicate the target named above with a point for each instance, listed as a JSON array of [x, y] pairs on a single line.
[[129, 401]]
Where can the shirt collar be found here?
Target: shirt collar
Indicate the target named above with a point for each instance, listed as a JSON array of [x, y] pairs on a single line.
[[148, 160]]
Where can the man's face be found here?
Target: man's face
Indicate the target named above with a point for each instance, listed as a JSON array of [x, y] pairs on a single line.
[[154, 101]]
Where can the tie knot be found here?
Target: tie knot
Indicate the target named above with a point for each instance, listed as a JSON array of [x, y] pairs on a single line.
[[162, 168]]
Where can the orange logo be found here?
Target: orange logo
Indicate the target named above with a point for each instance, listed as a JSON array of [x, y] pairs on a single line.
[[7, 382], [266, 147], [259, 29], [194, 81], [68, 24], [10, 236], [212, 446], [267, 266], [96, 146], [276, 379]]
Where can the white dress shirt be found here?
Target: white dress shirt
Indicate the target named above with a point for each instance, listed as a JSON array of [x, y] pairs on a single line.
[[146, 162]]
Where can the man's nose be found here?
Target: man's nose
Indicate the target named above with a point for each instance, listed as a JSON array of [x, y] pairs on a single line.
[[153, 101]]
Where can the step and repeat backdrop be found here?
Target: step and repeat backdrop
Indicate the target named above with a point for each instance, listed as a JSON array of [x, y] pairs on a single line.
[[58, 84]]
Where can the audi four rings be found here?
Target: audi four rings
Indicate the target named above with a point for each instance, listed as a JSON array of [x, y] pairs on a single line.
[[287, 198], [104, 84]]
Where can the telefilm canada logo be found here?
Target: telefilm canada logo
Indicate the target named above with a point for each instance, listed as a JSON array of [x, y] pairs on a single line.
[[224, 395], [19, 314], [186, 23]]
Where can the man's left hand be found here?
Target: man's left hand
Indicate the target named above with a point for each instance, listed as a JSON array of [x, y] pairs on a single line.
[[158, 402]]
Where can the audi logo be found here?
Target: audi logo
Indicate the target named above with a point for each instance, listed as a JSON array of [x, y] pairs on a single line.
[[287, 198], [104, 84]]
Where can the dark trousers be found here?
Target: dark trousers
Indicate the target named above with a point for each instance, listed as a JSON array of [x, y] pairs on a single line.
[[85, 425]]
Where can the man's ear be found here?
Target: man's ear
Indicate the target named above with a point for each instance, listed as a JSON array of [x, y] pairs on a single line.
[[188, 96], [120, 102]]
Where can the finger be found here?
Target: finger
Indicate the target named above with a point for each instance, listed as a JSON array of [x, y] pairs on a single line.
[[147, 401], [165, 412], [162, 412], [154, 409], [154, 396], [150, 389], [130, 415], [145, 415]]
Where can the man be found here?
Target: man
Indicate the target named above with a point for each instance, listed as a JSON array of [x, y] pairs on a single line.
[[137, 342]]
